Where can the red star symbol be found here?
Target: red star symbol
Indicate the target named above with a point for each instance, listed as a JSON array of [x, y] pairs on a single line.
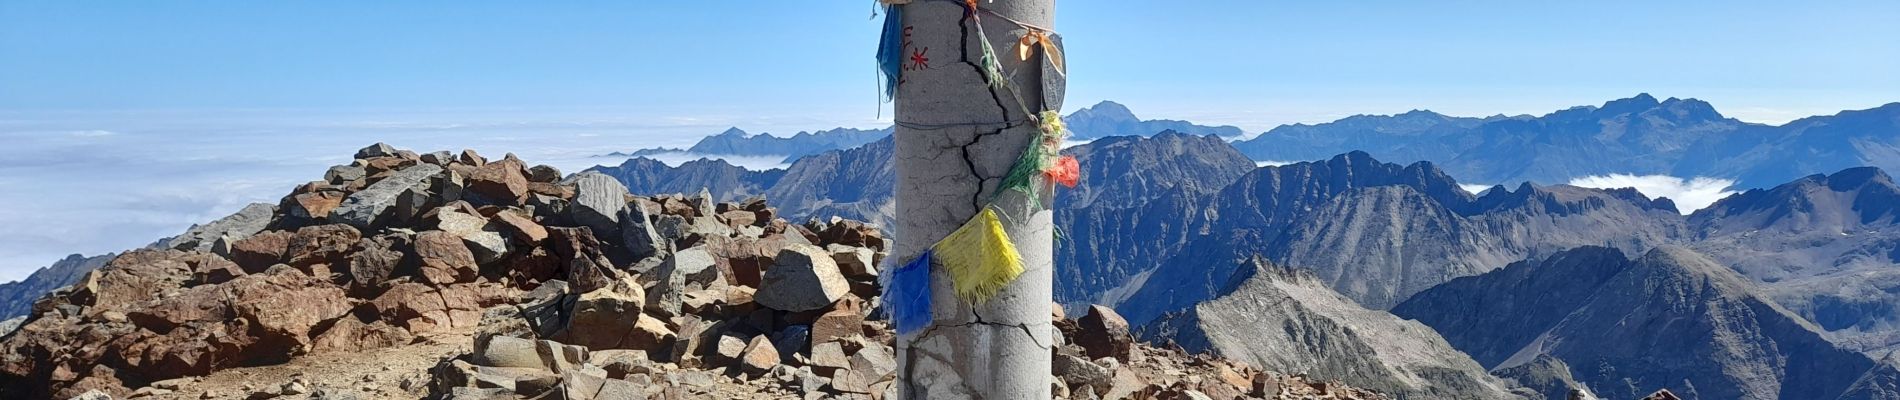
[[917, 59]]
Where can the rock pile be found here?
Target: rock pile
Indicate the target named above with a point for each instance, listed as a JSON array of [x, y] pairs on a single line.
[[570, 288]]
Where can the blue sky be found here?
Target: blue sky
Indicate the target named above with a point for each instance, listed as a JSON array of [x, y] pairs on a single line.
[[125, 121], [806, 64]]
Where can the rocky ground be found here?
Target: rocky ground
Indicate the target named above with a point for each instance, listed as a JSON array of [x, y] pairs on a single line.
[[450, 276]]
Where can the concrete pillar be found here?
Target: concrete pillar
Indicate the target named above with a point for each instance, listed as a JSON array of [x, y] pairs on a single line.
[[948, 169]]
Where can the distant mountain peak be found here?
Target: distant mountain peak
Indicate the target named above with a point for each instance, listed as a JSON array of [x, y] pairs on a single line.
[[735, 132], [1642, 101], [1111, 110]]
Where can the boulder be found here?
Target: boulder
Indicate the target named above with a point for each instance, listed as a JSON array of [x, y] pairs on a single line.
[[368, 208], [284, 307], [602, 319], [214, 270], [483, 238], [854, 262], [439, 158], [259, 252], [351, 335], [445, 259], [502, 181], [728, 351], [844, 320], [376, 150], [544, 174], [874, 361], [1103, 333], [638, 235], [828, 355], [504, 351], [470, 158], [321, 245], [561, 357], [703, 204], [802, 278], [599, 202], [422, 309], [740, 218], [521, 224], [376, 260], [1078, 372], [759, 357]]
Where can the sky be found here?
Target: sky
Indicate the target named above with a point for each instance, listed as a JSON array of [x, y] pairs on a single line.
[[126, 121]]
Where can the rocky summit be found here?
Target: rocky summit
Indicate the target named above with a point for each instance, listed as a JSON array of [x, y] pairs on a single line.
[[452, 276]]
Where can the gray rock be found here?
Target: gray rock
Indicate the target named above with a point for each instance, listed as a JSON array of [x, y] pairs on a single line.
[[875, 361], [599, 201], [341, 174], [376, 150], [94, 394], [471, 393], [802, 278], [855, 262], [673, 227], [246, 222], [692, 378], [369, 207], [703, 203], [544, 173], [484, 238], [637, 233], [504, 351], [1078, 372], [439, 158]]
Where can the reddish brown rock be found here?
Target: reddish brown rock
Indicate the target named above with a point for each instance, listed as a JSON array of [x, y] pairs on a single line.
[[312, 205], [214, 270], [350, 334], [329, 245], [444, 259], [501, 181], [285, 306], [739, 218], [551, 189], [1103, 333], [601, 319], [522, 226], [260, 251], [534, 265], [470, 158], [759, 356], [422, 309], [844, 320]]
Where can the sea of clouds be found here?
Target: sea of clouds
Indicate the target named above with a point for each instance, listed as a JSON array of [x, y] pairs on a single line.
[[1689, 194], [97, 183]]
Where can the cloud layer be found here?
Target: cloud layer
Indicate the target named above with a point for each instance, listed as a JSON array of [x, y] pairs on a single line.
[[1689, 195]]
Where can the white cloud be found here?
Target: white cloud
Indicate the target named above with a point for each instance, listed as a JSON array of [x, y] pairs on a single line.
[[91, 133], [1689, 195], [1474, 188], [675, 158], [1271, 163]]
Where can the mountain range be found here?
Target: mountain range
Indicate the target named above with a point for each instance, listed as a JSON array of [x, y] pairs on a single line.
[[1162, 225], [1392, 276], [737, 142], [1101, 120], [1670, 318], [1639, 135]]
